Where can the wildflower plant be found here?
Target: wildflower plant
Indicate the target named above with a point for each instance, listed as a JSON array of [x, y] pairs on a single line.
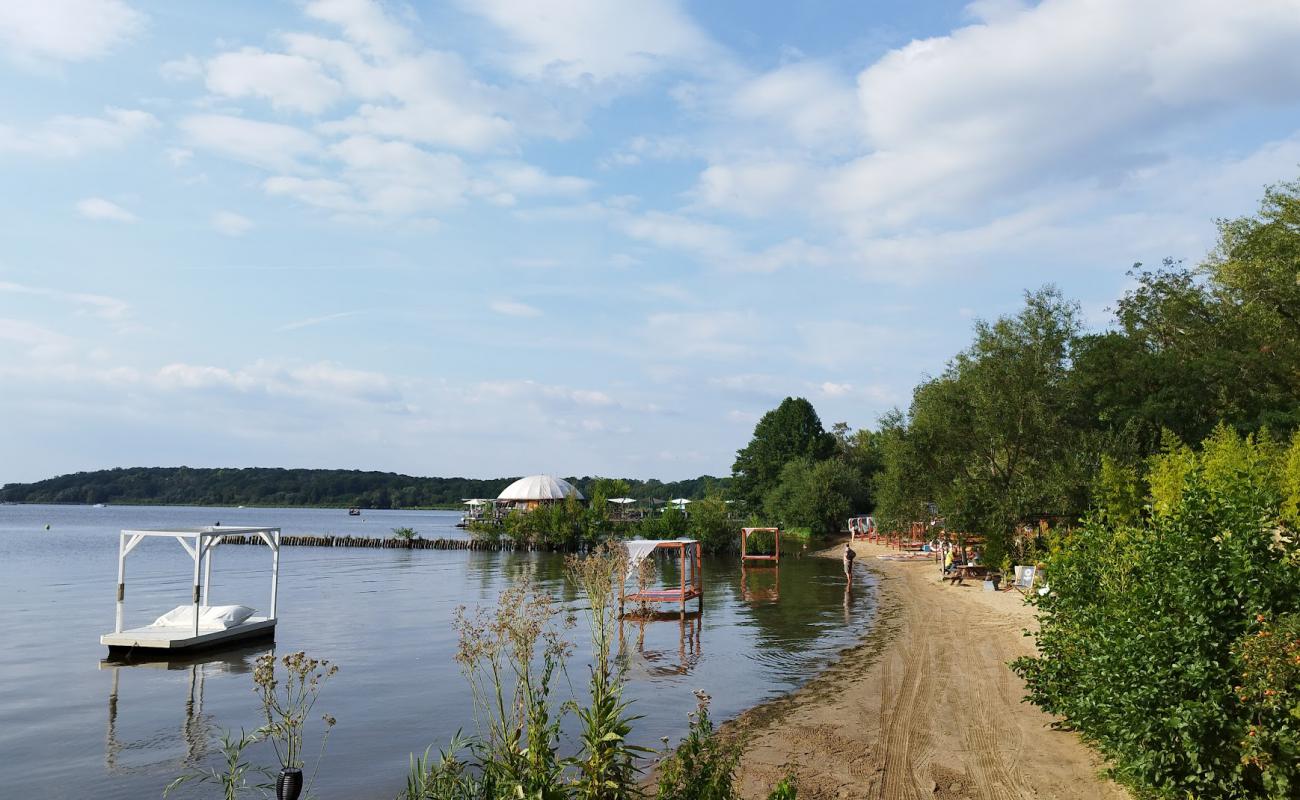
[[510, 657], [703, 766], [607, 763], [288, 701]]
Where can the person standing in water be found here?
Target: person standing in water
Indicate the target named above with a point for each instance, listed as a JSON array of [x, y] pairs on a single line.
[[849, 555]]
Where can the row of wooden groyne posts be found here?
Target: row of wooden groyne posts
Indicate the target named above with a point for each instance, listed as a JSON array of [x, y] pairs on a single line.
[[390, 544]]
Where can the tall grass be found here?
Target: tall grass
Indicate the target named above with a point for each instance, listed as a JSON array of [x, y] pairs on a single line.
[[510, 656]]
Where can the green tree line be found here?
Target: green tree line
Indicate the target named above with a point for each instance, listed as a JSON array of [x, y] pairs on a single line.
[[264, 486], [1018, 425]]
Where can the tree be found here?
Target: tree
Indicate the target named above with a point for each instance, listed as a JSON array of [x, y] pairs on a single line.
[[791, 430], [816, 495], [989, 440]]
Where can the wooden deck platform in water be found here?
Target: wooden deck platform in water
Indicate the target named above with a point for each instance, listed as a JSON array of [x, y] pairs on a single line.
[[181, 638]]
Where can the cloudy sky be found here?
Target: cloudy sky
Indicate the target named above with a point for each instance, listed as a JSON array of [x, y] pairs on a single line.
[[578, 236]]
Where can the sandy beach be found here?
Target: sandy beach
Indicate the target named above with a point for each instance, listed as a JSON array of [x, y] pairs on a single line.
[[925, 707]]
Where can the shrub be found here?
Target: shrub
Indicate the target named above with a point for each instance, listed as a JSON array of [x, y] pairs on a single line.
[[1142, 635], [703, 766]]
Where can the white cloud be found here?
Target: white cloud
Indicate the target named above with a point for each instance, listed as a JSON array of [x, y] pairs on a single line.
[[754, 189], [229, 223], [513, 308], [723, 335], [102, 306], [1064, 90], [590, 41], [286, 81], [35, 341], [676, 232], [318, 192], [65, 30], [518, 178], [811, 102], [832, 389], [182, 69], [264, 144], [365, 22], [100, 209], [68, 136], [400, 178]]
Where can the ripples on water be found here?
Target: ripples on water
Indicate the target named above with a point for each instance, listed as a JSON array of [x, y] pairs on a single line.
[[73, 727]]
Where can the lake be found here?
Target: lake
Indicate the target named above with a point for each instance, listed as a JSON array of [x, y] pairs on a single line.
[[74, 727]]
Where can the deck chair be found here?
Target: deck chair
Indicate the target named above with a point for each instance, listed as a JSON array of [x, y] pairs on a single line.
[[1024, 579]]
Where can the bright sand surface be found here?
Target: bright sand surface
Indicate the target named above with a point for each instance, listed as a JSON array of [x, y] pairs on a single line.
[[926, 707]]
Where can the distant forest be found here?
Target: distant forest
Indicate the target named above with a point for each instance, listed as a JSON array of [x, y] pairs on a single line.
[[262, 486]]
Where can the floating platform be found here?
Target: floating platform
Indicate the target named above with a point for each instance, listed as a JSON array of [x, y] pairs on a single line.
[[158, 639], [184, 629], [689, 554]]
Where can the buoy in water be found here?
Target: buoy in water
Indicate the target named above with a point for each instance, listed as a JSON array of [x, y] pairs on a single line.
[[47, 526]]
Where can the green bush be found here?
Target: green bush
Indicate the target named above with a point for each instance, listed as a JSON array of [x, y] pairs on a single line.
[[703, 766], [1144, 631]]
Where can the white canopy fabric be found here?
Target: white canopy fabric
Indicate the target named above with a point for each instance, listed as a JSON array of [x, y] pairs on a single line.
[[622, 501], [639, 550], [475, 502], [539, 487], [679, 502]]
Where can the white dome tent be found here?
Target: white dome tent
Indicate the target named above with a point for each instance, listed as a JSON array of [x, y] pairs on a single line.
[[536, 489]]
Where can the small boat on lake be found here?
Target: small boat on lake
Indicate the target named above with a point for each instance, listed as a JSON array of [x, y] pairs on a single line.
[[199, 624], [354, 512]]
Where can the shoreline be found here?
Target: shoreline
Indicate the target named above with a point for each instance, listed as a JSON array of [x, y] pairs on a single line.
[[923, 706]]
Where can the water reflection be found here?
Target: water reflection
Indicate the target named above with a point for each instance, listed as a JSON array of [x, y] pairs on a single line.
[[760, 584], [197, 729], [658, 662]]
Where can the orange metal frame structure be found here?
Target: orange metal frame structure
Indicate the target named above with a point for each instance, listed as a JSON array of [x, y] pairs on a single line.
[[775, 557], [692, 585]]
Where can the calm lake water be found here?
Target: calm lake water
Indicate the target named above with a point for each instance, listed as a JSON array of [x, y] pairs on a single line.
[[73, 727]]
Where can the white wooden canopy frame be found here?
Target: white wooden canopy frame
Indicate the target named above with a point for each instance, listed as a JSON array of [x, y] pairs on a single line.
[[199, 543]]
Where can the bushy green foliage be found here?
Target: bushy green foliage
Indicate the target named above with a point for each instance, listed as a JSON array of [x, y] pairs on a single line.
[[816, 495], [703, 765], [1141, 636], [670, 524], [710, 521], [1119, 490], [1268, 665]]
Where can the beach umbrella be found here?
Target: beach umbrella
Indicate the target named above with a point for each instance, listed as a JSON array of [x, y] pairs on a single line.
[[622, 501], [680, 502]]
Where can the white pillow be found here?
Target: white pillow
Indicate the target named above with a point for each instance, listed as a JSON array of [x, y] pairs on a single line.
[[225, 616], [180, 615]]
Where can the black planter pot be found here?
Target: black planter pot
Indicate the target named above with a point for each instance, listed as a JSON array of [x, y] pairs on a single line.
[[289, 784]]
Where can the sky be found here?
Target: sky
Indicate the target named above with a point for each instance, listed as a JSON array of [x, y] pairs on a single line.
[[578, 237]]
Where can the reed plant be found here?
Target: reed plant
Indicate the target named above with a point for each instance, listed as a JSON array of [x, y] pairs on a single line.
[[233, 778], [607, 763], [510, 658]]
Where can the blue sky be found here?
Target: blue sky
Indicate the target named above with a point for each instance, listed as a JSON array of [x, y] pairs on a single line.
[[578, 236]]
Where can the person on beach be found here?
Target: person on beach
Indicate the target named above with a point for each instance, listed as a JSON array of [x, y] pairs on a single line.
[[849, 555]]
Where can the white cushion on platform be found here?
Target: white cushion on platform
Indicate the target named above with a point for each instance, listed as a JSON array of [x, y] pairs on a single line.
[[220, 617], [180, 615], [225, 616]]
